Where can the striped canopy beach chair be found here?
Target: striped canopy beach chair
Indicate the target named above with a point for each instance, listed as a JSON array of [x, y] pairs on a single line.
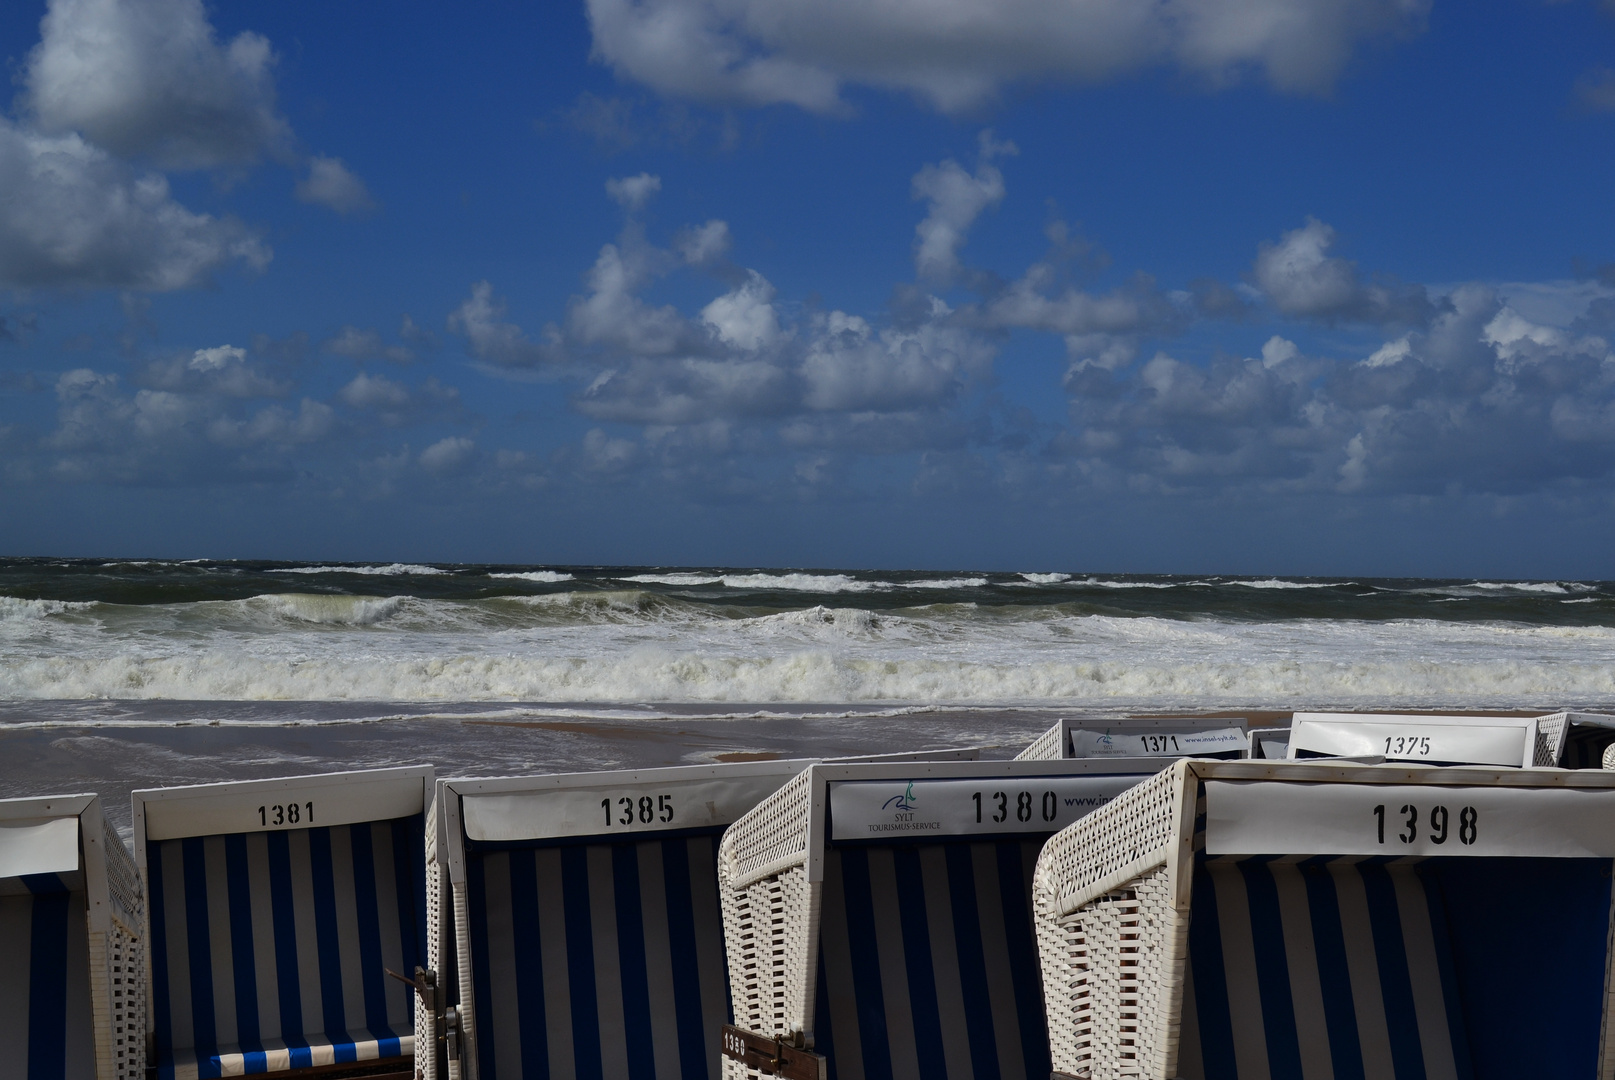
[[1167, 736], [1426, 739], [70, 918], [574, 922], [1280, 920], [878, 917], [276, 909]]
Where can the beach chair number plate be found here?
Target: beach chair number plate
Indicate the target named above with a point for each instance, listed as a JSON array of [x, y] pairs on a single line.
[[1086, 744], [891, 809], [772, 1057], [1283, 818]]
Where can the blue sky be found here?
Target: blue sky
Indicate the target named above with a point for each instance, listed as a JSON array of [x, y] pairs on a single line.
[[1180, 285]]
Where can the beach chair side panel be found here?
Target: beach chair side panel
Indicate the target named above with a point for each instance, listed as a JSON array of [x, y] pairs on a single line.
[[117, 960], [1111, 937], [1049, 746]]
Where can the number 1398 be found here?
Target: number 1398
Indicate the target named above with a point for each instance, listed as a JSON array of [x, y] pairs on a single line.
[[1405, 824]]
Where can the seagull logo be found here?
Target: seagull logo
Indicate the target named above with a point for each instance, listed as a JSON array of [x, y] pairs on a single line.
[[903, 802]]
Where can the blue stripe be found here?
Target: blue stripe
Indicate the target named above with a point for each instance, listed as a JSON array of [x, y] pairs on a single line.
[[580, 963], [529, 949], [868, 997], [972, 961], [198, 941], [286, 968], [1272, 969], [372, 971], [477, 899], [1210, 981], [1334, 973], [631, 961], [682, 945], [1396, 985], [916, 925], [824, 1042], [409, 875], [161, 1022], [47, 983], [243, 962], [329, 943], [1015, 888], [1435, 897]]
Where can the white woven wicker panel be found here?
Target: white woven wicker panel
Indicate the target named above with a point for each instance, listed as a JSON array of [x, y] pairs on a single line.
[[1049, 746], [770, 928], [1135, 825], [425, 1033], [771, 834], [1550, 739]]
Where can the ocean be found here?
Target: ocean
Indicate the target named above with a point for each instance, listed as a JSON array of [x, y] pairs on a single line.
[[123, 674]]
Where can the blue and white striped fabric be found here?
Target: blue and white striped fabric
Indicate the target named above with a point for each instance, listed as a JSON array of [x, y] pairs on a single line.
[[598, 961], [269, 949], [46, 1021], [928, 963], [1368, 969]]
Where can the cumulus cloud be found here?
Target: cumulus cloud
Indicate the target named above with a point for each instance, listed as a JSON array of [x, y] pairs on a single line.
[[1300, 277], [331, 185], [73, 216], [357, 344], [448, 456], [481, 320], [959, 55], [374, 392], [633, 192], [954, 199], [150, 79]]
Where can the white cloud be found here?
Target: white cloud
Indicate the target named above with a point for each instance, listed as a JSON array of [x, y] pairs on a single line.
[[633, 192], [447, 456], [149, 79], [1300, 277], [700, 246], [745, 317], [330, 184], [961, 53], [481, 319], [72, 216], [954, 200], [216, 358], [357, 344], [374, 392]]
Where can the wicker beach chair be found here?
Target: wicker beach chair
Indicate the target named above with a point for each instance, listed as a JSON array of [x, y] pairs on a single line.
[[1270, 743], [574, 921], [70, 927], [878, 922], [1574, 740], [1317, 919], [276, 909], [1097, 736]]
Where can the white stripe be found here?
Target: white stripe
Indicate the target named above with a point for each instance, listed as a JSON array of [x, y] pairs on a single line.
[[263, 937], [658, 961], [347, 931], [1363, 964], [844, 1028], [945, 963], [1429, 1002], [703, 859], [308, 955], [557, 985], [179, 971], [1239, 970], [220, 954], [1301, 955], [884, 899], [503, 1005], [607, 963], [995, 950]]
